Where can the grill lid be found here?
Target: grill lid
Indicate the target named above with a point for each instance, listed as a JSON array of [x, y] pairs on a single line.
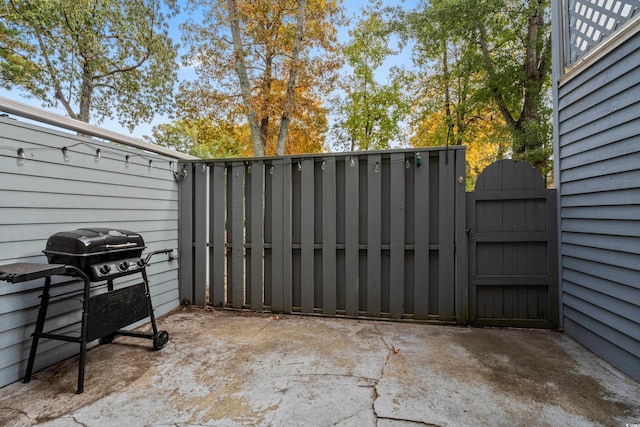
[[89, 241]]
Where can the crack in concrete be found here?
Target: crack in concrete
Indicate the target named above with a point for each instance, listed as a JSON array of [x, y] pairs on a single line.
[[391, 351], [418, 423], [78, 422], [384, 367], [340, 421]]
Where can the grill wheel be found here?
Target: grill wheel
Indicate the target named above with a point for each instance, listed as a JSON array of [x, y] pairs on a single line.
[[160, 340]]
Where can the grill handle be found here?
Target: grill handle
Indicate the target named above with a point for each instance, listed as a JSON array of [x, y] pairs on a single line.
[[121, 246], [169, 252]]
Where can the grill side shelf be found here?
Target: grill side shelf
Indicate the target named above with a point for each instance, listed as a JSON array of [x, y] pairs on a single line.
[[25, 271]]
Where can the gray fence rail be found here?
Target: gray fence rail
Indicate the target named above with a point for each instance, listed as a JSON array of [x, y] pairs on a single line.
[[370, 234]]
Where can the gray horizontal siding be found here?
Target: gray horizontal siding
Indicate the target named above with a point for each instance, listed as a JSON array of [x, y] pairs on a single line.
[[47, 194], [599, 174]]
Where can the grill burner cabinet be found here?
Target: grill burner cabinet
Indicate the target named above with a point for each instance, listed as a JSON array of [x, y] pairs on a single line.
[[98, 255]]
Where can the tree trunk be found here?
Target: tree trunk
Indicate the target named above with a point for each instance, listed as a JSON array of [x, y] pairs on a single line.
[[293, 73], [245, 85], [86, 94], [266, 96]]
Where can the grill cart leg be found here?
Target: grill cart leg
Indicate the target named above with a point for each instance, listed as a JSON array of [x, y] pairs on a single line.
[[160, 338], [42, 313], [83, 333], [82, 339]]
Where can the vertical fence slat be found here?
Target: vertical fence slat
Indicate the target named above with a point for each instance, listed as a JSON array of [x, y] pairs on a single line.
[[446, 277], [329, 236], [281, 238], [186, 236], [374, 230], [287, 226], [248, 199], [461, 260], [277, 240], [216, 231], [397, 218], [257, 233], [237, 232], [228, 294], [307, 239], [421, 250], [352, 244], [200, 241]]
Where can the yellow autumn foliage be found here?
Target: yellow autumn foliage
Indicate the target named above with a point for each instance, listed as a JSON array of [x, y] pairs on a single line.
[[485, 135]]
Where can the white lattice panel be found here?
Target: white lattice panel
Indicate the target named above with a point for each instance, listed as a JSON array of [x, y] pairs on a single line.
[[591, 21]]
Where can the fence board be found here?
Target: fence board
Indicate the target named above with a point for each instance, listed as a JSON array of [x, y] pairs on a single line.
[[281, 237], [352, 248], [396, 274], [185, 237], [200, 236], [236, 221], [446, 279], [461, 243], [374, 227], [216, 234], [329, 236], [257, 233], [307, 238], [421, 250]]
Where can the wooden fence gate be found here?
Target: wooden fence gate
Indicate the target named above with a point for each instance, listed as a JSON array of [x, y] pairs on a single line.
[[513, 263]]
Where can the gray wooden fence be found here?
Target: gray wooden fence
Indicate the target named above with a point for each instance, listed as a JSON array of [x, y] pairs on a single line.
[[513, 262], [371, 234]]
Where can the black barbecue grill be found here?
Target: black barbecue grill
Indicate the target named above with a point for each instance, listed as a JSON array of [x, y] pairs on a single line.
[[101, 253], [95, 255]]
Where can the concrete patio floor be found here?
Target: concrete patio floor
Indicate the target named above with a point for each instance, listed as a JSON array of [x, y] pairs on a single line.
[[233, 369]]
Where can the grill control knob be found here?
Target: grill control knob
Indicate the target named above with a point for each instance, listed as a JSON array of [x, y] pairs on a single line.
[[105, 269], [140, 263], [123, 266]]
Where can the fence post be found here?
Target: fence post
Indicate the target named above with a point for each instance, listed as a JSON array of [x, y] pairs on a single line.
[[185, 240], [461, 244], [329, 236], [446, 229], [281, 236], [352, 238], [200, 175], [397, 235], [374, 230], [217, 249]]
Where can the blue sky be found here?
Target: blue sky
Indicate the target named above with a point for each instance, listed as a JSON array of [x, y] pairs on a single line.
[[352, 11]]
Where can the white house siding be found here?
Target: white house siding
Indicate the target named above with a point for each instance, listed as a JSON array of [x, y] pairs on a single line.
[[598, 168], [43, 194]]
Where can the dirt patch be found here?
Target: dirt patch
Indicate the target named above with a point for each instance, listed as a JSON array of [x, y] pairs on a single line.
[[532, 368]]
